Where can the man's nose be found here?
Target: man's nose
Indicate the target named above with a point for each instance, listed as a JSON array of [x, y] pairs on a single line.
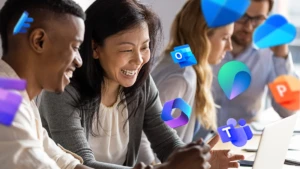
[[248, 26], [78, 61]]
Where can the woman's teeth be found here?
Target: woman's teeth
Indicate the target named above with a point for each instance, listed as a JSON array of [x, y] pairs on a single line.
[[69, 74], [129, 72]]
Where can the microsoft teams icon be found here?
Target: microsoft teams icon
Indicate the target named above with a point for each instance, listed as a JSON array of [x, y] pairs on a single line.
[[183, 56], [238, 136], [23, 23]]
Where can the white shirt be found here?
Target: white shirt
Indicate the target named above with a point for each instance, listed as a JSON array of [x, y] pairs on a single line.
[[26, 144], [264, 67], [110, 145]]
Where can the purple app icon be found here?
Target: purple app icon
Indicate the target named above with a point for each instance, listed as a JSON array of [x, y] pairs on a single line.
[[184, 117], [238, 136], [10, 101], [12, 84]]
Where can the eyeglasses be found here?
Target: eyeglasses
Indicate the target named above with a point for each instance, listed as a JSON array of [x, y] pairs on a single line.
[[255, 21]]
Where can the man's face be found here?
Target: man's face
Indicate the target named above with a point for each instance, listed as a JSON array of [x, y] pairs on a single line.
[[60, 56], [244, 28]]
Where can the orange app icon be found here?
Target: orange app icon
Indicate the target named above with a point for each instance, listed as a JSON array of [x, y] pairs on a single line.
[[286, 92]]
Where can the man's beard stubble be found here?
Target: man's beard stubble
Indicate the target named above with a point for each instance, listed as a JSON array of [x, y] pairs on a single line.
[[241, 42]]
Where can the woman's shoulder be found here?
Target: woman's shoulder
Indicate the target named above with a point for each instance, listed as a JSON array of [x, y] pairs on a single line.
[[166, 69], [69, 95]]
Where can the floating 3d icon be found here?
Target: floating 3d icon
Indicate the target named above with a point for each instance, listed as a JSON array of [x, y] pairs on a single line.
[[286, 92], [183, 56], [23, 23], [184, 117], [234, 78], [222, 12], [274, 32], [10, 101], [237, 136]]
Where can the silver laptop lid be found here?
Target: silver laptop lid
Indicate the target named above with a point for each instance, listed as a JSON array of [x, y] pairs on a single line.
[[274, 144]]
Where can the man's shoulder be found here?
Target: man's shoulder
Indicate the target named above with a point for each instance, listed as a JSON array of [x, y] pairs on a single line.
[[23, 121], [265, 52]]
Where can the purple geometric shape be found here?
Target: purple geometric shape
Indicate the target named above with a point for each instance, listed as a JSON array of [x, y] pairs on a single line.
[[12, 84], [224, 135], [231, 121], [241, 137], [9, 106], [184, 117]]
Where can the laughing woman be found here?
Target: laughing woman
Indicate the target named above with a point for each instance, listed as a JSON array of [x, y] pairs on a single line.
[[112, 98]]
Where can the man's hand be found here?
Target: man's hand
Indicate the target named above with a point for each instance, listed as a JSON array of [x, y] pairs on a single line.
[[142, 166], [281, 51], [192, 156], [222, 159]]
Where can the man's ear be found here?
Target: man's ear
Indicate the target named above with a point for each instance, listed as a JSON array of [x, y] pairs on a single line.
[[37, 40]]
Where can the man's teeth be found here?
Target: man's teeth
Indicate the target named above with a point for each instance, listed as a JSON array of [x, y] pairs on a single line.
[[69, 74], [129, 72]]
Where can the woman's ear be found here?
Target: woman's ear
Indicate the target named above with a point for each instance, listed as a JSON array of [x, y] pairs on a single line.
[[95, 47]]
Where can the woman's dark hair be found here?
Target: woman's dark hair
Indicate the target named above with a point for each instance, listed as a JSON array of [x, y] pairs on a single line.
[[105, 18]]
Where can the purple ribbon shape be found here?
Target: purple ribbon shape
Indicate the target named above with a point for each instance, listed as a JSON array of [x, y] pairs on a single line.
[[9, 105], [183, 119]]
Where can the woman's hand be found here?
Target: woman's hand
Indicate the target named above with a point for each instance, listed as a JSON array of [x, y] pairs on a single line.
[[222, 159]]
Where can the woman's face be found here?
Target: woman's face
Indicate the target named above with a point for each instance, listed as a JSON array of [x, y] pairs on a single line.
[[124, 54], [220, 42]]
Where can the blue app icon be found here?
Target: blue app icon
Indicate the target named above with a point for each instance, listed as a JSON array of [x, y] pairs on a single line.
[[234, 78], [183, 56], [222, 12], [237, 136], [184, 117], [23, 23], [274, 32]]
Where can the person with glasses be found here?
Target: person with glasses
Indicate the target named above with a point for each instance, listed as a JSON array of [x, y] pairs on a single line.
[[265, 65]]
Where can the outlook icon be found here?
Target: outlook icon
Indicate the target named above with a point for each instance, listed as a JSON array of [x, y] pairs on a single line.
[[237, 136], [184, 117], [183, 56]]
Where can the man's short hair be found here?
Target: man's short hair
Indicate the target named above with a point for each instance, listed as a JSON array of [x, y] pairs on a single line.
[[39, 10], [271, 4]]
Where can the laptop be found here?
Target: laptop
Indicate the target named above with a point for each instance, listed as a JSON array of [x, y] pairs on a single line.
[[274, 144]]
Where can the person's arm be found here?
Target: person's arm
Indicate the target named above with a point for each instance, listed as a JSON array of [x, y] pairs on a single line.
[[146, 154], [282, 65], [79, 166], [177, 86], [19, 146], [171, 88], [65, 127], [163, 139]]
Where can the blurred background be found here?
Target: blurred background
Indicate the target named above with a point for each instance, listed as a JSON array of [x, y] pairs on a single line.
[[167, 9]]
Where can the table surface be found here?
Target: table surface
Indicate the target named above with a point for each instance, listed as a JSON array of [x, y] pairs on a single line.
[[271, 116]]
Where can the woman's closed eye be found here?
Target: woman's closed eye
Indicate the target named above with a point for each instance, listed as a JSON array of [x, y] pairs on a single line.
[[145, 48], [129, 50]]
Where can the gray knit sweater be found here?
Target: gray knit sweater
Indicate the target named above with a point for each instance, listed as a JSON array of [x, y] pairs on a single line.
[[66, 126]]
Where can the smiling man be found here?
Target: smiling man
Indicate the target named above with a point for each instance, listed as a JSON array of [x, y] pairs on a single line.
[[265, 65], [45, 57]]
